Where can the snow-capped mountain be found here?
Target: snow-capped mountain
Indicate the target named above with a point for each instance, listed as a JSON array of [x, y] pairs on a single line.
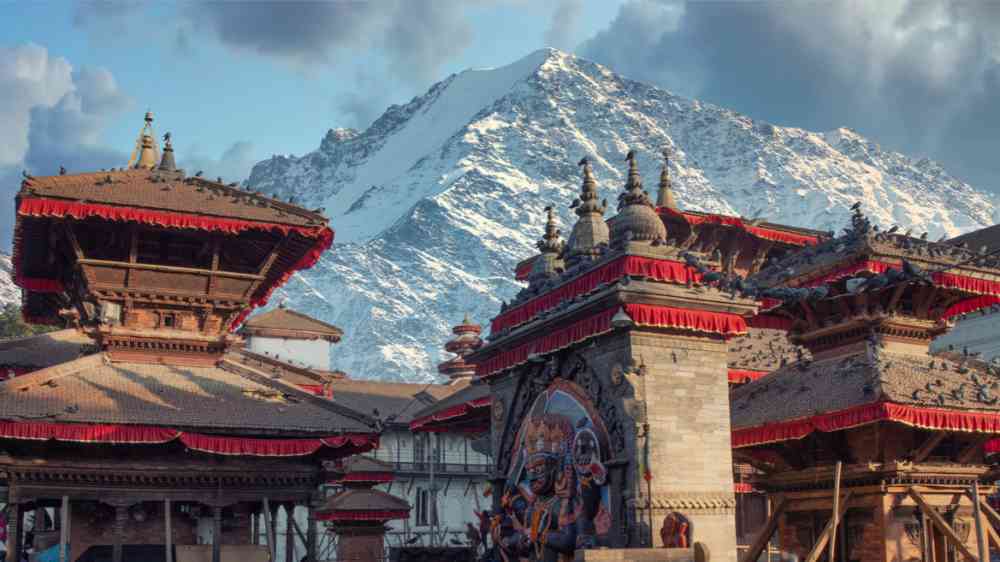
[[9, 292], [437, 201]]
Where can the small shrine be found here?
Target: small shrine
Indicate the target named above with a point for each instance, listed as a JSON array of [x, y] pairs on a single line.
[[358, 513], [609, 390], [870, 447], [161, 425]]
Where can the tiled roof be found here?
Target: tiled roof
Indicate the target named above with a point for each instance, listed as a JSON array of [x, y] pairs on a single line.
[[279, 370], [763, 350], [228, 398], [989, 237], [389, 398], [809, 388], [364, 463], [465, 394], [283, 319], [44, 350], [168, 191], [364, 500]]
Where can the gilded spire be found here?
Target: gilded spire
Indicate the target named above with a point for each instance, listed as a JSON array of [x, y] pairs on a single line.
[[550, 242], [637, 220], [665, 193], [590, 230], [146, 152], [167, 163]]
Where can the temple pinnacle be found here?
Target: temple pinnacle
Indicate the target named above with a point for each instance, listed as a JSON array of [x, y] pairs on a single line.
[[665, 194]]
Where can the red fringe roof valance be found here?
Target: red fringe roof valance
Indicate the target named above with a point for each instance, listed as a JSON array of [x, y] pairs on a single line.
[[740, 376], [371, 515], [770, 322], [915, 416], [42, 207], [375, 477], [662, 270], [452, 413], [150, 435], [971, 305], [600, 323], [943, 279], [58, 208], [772, 234]]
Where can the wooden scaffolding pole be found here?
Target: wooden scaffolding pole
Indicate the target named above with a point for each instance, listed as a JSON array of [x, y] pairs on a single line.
[[269, 524], [168, 523], [64, 530], [993, 518], [836, 514], [764, 537], [827, 534], [984, 553], [940, 523]]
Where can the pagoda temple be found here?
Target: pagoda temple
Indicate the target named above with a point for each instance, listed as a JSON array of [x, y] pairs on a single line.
[[907, 427], [164, 424]]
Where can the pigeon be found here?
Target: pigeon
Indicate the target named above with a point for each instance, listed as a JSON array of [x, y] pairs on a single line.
[[62, 170], [856, 206], [923, 236], [893, 230], [576, 203], [583, 161], [198, 174]]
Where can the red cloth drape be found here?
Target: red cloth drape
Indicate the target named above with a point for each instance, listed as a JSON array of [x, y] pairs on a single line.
[[739, 376], [87, 433], [992, 446], [758, 231], [376, 477], [971, 305], [316, 389], [600, 323], [916, 416], [367, 515], [150, 435], [43, 207], [943, 279], [452, 413], [743, 487], [661, 270], [523, 269], [770, 322]]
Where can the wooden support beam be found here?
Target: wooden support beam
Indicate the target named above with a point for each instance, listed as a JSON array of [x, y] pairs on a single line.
[[13, 530], [764, 537], [941, 524], [217, 533], [64, 530], [827, 534], [289, 533], [972, 448], [310, 534], [836, 513], [894, 299], [269, 529], [988, 510], [168, 523], [121, 516], [984, 553], [928, 446]]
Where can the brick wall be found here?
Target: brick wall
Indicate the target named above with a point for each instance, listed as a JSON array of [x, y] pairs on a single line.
[[360, 546]]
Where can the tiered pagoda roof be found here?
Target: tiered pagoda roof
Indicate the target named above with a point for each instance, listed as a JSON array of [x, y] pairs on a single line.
[[866, 305], [759, 352], [464, 411], [157, 267], [466, 341]]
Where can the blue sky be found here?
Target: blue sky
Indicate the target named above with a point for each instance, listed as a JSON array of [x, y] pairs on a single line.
[[238, 81]]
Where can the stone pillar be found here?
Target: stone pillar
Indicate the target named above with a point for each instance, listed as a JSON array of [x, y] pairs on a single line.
[[686, 396]]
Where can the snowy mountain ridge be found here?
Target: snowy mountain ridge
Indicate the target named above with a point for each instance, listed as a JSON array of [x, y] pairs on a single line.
[[439, 198]]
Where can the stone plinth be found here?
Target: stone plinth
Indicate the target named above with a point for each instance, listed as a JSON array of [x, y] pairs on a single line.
[[697, 554]]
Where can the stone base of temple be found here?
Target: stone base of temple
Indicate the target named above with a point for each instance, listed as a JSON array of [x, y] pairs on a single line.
[[699, 553]]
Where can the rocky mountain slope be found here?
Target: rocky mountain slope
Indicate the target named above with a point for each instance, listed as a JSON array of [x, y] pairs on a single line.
[[9, 292], [437, 201]]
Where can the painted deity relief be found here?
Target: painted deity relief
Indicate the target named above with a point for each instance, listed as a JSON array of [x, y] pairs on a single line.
[[555, 499]]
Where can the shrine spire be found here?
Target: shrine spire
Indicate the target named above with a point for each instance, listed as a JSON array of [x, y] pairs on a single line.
[[146, 153], [665, 193]]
